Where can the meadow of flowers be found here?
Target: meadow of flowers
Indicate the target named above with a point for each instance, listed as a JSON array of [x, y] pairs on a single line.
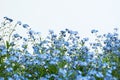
[[65, 56]]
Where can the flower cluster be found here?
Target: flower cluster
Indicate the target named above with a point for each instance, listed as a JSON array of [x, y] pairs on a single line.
[[57, 57]]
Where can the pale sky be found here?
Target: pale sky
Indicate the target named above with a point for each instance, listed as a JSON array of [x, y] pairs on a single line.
[[80, 15]]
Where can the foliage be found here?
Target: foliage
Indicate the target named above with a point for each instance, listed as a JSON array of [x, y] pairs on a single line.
[[57, 57]]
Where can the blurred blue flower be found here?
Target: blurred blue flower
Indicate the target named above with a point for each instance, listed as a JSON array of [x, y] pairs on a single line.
[[66, 43], [51, 31], [62, 32], [43, 78], [99, 74], [31, 32], [6, 18], [13, 58], [116, 29], [36, 49], [67, 58], [83, 63], [2, 78], [85, 39], [94, 31], [16, 35], [36, 62], [25, 39], [16, 76], [19, 22], [9, 78], [63, 72], [9, 69], [25, 26]]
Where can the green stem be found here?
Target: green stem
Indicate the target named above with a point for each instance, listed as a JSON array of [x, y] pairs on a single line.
[[12, 32]]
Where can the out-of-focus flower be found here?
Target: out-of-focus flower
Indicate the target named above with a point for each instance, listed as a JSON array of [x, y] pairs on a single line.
[[67, 58], [2, 78], [99, 74], [9, 78], [116, 29], [6, 18], [9, 69], [51, 31], [31, 32], [25, 39], [16, 35], [66, 43], [85, 39], [25, 26], [94, 31], [36, 50], [62, 71], [19, 22]]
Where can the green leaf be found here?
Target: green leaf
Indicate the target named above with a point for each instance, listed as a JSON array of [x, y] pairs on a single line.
[[62, 63], [7, 44], [52, 69]]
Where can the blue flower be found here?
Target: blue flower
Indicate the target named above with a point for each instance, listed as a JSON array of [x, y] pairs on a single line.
[[31, 32], [66, 43], [4, 52], [36, 50], [25, 26], [51, 31], [25, 39], [9, 78], [53, 62], [16, 76], [116, 29], [2, 78], [54, 37], [43, 78], [36, 62], [85, 39], [56, 52], [99, 74], [2, 47], [109, 35], [67, 58], [62, 32], [62, 71], [43, 56], [94, 31], [83, 63], [9, 69], [13, 58], [6, 18], [7, 62], [84, 49], [16, 35], [75, 32], [19, 22]]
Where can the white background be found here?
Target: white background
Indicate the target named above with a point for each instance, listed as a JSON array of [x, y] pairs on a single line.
[[80, 15]]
